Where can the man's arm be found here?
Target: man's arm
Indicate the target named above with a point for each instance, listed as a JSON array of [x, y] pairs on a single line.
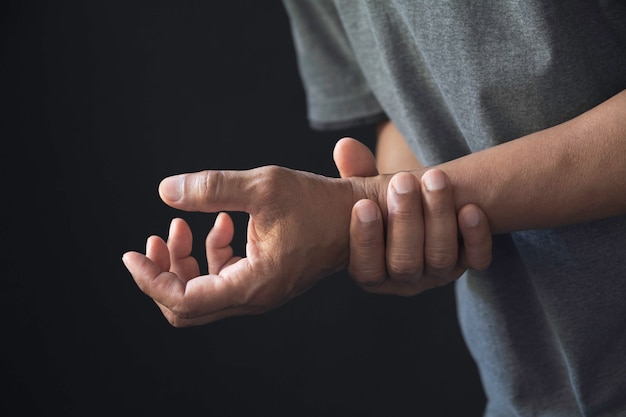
[[299, 225], [570, 173]]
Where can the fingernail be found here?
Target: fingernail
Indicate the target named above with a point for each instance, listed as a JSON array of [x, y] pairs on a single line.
[[434, 180], [471, 217], [366, 213], [403, 183], [171, 188]]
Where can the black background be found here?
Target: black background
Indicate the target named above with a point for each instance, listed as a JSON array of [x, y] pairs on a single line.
[[103, 99]]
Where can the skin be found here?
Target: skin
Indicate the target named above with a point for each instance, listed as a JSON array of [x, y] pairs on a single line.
[[393, 154], [390, 262], [301, 223]]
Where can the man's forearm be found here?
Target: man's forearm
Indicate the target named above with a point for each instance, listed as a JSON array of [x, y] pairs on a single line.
[[566, 174], [393, 154]]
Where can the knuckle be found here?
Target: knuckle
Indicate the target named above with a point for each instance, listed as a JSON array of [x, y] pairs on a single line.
[[209, 184], [273, 174], [403, 214], [270, 180], [367, 277], [367, 244], [437, 210], [479, 254], [404, 265], [439, 258], [480, 263]]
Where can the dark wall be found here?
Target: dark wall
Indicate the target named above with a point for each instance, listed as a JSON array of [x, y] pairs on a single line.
[[103, 99]]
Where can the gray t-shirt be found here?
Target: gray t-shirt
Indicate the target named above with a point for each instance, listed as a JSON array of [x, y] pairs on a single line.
[[546, 323]]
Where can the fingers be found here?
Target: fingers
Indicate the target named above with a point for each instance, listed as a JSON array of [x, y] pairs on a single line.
[[170, 275], [151, 278], [440, 231], [218, 250], [179, 244], [391, 262], [420, 248], [179, 240], [354, 159], [477, 243], [405, 230], [199, 300], [367, 245], [157, 251]]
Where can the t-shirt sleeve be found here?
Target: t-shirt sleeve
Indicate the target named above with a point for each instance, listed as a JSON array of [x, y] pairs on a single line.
[[337, 93]]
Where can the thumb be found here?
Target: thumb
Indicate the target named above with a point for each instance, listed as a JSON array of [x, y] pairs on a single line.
[[211, 191], [354, 159]]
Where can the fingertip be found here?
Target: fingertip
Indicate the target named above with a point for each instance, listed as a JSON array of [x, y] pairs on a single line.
[[173, 226], [222, 232], [470, 216], [477, 239], [343, 141], [403, 199], [434, 179], [354, 158], [338, 146], [126, 257], [131, 259], [403, 183], [222, 221], [366, 211], [178, 226], [171, 188], [222, 217], [142, 269], [153, 240]]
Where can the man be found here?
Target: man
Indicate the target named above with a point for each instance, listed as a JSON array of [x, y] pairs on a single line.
[[517, 116]]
